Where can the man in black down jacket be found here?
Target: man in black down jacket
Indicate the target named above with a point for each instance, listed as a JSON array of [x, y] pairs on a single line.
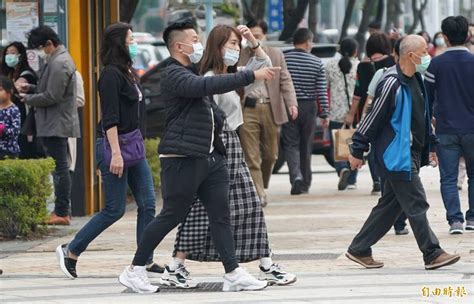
[[192, 159]]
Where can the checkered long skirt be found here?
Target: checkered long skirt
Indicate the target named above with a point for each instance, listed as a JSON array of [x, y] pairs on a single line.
[[247, 218]]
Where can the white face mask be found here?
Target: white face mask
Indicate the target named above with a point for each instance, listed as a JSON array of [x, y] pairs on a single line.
[[198, 51], [440, 41], [424, 64], [231, 57]]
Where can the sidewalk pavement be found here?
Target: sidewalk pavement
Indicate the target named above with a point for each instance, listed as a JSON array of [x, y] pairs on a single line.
[[309, 235]]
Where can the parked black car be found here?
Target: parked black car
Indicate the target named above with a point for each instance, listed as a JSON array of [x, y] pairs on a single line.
[[155, 107]]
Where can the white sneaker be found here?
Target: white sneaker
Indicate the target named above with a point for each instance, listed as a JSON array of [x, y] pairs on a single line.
[[180, 278], [239, 280], [137, 280], [276, 276]]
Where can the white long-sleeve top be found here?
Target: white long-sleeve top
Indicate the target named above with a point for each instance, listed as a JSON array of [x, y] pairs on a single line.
[[230, 101]]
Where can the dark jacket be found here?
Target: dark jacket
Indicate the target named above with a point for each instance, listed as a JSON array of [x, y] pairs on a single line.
[[449, 82], [119, 101], [188, 99], [387, 127]]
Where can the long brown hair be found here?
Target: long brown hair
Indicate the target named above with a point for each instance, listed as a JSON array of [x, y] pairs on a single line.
[[213, 59]]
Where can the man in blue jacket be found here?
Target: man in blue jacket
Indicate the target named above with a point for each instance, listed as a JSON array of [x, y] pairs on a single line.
[[450, 87], [398, 128]]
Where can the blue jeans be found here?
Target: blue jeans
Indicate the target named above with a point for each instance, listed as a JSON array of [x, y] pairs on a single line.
[[450, 149], [333, 125], [140, 181]]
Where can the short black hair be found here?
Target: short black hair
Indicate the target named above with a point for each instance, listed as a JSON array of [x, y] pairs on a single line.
[[302, 35], [396, 46], [40, 35], [177, 26], [260, 23], [378, 43], [7, 84], [456, 29], [375, 25]]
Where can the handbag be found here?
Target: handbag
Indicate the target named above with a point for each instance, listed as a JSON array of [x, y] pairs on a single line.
[[342, 138], [132, 148]]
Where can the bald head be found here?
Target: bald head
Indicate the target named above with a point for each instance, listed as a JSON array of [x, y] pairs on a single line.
[[414, 55], [412, 44]]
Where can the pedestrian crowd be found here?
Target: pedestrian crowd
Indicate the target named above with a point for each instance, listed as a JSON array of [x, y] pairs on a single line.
[[231, 106]]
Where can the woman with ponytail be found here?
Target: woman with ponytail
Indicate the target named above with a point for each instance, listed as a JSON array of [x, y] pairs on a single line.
[[341, 75]]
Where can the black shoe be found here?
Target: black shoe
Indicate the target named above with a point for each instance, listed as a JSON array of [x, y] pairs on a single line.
[[155, 268], [67, 265], [376, 189], [343, 179], [297, 187]]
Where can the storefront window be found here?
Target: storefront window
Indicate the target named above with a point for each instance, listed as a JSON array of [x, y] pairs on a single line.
[[18, 17]]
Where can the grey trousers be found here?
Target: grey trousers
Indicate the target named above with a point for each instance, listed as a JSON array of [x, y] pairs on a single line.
[[398, 195], [297, 142]]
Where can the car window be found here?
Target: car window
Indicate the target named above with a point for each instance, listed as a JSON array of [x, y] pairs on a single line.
[[139, 61], [146, 56]]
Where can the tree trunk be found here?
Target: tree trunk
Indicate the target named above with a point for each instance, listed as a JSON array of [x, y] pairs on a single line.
[[421, 13], [380, 11], [290, 27], [258, 8], [127, 9], [347, 19], [398, 12], [313, 18], [248, 14], [418, 15], [393, 13], [390, 15], [288, 10], [364, 23]]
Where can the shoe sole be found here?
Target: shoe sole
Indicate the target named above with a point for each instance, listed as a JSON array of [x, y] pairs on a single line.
[[456, 231], [135, 290], [444, 263], [234, 289], [278, 282], [170, 283], [60, 257], [470, 228], [354, 259]]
